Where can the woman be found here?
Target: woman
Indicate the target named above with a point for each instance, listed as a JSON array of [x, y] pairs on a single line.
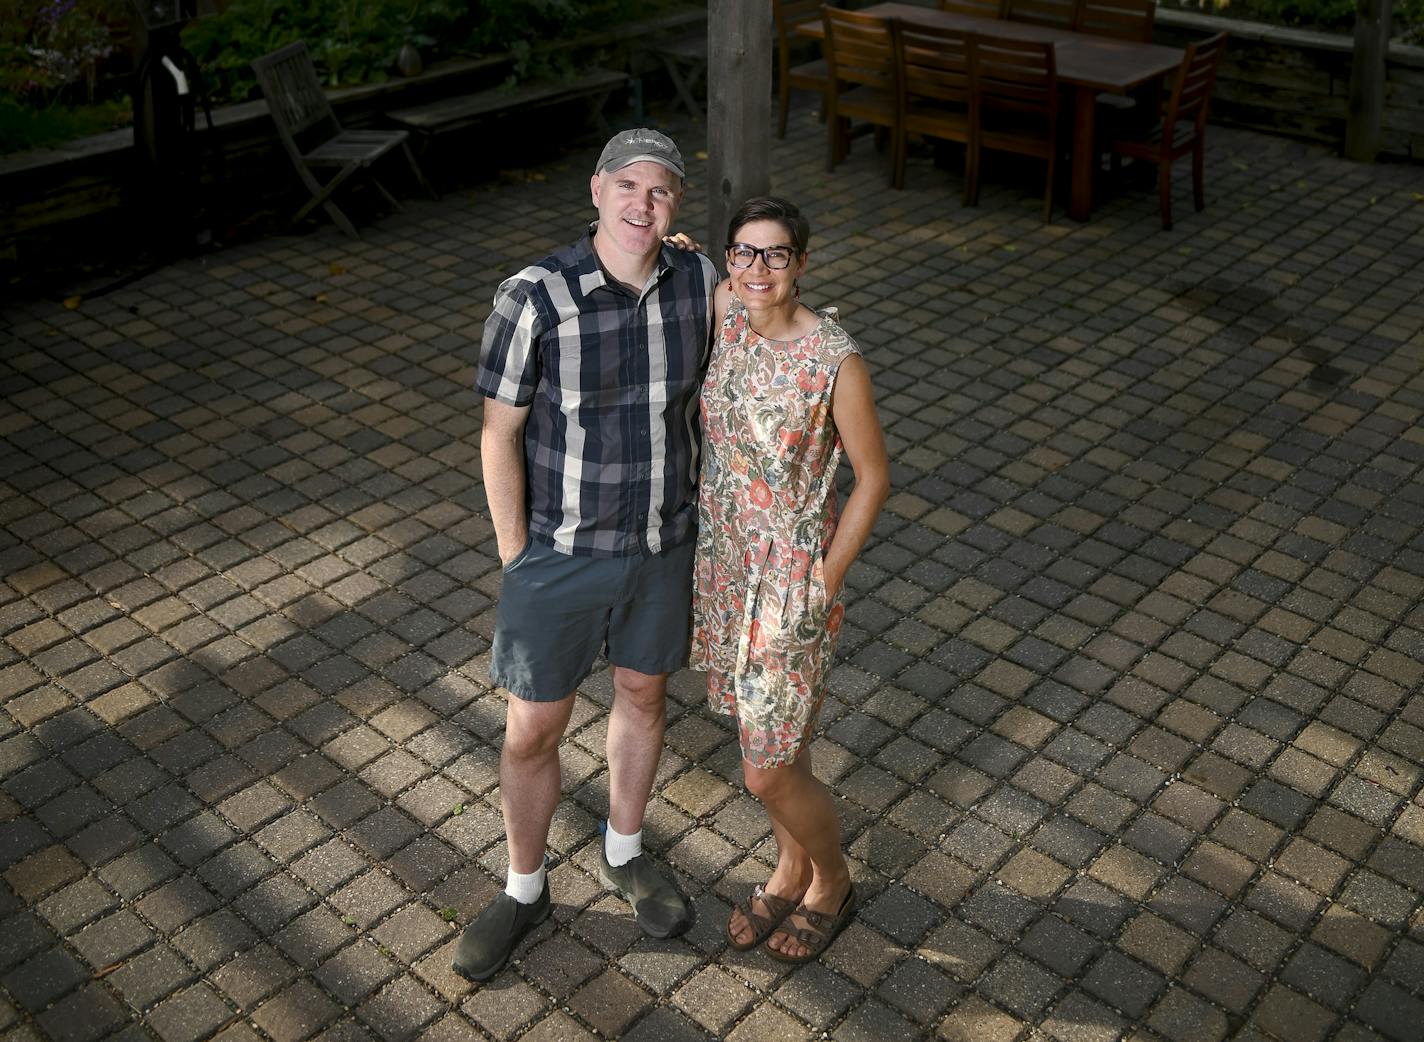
[[786, 392]]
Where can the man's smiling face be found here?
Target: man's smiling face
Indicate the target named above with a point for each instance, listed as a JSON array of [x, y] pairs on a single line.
[[636, 206]]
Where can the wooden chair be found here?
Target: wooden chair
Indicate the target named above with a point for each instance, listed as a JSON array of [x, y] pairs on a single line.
[[933, 93], [1117, 19], [1013, 106], [863, 77], [315, 140], [1183, 126], [684, 59], [813, 75], [977, 8], [1123, 20], [1055, 14]]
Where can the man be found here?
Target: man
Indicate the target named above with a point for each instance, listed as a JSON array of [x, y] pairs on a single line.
[[590, 367]]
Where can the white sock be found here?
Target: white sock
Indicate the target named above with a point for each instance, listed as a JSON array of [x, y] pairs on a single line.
[[525, 887], [620, 849]]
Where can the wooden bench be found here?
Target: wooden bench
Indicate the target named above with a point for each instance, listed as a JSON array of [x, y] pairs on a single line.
[[685, 61], [465, 110]]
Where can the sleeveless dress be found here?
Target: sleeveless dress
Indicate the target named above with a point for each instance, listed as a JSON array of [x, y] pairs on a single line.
[[761, 625]]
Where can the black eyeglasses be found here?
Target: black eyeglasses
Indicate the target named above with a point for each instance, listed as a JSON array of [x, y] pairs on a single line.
[[740, 255]]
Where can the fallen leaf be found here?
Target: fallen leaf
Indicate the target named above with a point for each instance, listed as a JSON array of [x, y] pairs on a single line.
[[337, 268], [458, 809], [72, 303], [321, 298]]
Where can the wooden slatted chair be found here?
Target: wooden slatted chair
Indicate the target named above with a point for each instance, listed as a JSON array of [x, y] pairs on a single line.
[[1123, 20], [977, 8], [933, 94], [315, 140], [1183, 126], [863, 77], [1117, 19], [812, 75], [1055, 14], [1013, 107]]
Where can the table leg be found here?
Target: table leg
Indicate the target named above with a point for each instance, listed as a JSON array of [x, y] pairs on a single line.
[[1085, 156]]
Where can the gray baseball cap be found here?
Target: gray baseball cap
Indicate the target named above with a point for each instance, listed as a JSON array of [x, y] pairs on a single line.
[[640, 145]]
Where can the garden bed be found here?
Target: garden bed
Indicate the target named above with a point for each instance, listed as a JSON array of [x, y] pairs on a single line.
[[62, 201], [1296, 82]]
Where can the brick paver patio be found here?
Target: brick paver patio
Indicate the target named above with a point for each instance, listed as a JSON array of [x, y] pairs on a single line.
[[1127, 732]]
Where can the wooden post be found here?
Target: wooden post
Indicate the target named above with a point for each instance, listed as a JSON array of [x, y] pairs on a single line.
[[1367, 80], [738, 111]]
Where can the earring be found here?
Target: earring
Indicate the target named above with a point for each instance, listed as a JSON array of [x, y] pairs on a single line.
[[796, 285]]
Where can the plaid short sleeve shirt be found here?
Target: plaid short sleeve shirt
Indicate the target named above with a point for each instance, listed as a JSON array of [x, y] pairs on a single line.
[[611, 379]]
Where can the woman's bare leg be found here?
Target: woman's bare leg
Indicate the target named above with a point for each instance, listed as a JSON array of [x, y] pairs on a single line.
[[803, 816]]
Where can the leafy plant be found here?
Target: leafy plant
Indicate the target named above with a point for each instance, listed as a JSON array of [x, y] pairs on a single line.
[[351, 41], [27, 126], [50, 55], [50, 46], [356, 41], [1329, 15]]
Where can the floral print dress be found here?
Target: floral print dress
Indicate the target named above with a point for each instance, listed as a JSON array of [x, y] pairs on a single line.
[[761, 625]]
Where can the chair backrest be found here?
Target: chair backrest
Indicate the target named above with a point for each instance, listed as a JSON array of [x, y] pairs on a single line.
[[1017, 76], [1118, 19], [858, 48], [933, 64], [1191, 92], [1056, 14], [787, 15], [294, 95], [977, 8]]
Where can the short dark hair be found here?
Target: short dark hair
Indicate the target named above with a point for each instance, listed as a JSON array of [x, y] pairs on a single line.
[[771, 208]]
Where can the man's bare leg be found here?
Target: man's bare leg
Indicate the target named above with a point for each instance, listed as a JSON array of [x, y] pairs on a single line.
[[529, 779], [529, 785], [635, 744]]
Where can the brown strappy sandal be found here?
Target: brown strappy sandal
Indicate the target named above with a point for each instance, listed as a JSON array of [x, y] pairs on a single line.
[[821, 929], [762, 925]]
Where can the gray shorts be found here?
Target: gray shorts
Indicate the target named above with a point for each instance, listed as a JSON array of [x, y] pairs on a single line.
[[557, 613]]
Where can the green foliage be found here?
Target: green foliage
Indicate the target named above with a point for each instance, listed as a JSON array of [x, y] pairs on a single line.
[[51, 50], [27, 126], [352, 41], [52, 47], [1323, 14], [50, 53], [356, 41], [1329, 15]]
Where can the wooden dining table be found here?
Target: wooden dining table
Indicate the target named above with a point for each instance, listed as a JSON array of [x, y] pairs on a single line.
[[1088, 64]]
